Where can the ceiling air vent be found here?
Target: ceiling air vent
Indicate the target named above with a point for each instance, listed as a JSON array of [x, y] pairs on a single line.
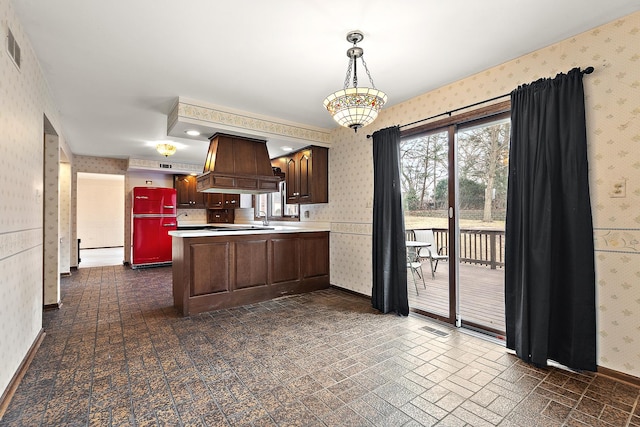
[[13, 48]]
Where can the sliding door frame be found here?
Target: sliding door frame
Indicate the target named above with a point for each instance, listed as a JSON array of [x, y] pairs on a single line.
[[450, 125]]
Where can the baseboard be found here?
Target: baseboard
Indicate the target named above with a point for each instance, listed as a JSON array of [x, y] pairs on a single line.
[[6, 397], [620, 376], [55, 306], [349, 291]]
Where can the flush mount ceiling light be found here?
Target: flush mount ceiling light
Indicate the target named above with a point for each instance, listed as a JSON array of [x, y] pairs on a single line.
[[355, 107], [166, 149], [192, 132]]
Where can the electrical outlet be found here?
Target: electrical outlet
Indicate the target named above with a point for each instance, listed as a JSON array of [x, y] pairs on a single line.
[[619, 189]]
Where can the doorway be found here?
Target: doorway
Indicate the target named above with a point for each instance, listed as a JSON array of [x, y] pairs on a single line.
[[100, 219], [454, 178]]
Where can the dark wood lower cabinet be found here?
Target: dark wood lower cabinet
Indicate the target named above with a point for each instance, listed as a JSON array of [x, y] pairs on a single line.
[[215, 272]]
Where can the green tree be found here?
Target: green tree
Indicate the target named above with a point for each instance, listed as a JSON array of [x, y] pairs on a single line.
[[411, 200], [441, 195]]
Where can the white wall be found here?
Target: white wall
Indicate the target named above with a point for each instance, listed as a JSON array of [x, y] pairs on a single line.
[[100, 210], [157, 179]]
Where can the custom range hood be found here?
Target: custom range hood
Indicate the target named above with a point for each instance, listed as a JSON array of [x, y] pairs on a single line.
[[237, 165]]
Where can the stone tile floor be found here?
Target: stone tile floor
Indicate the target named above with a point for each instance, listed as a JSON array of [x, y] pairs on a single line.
[[117, 354]]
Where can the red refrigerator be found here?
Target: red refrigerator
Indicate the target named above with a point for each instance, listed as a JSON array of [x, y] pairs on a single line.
[[153, 216]]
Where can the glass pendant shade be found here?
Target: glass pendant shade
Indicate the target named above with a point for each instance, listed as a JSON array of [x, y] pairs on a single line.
[[355, 107], [166, 149]]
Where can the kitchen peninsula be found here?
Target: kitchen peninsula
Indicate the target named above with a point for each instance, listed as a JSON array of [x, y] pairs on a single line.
[[215, 268]]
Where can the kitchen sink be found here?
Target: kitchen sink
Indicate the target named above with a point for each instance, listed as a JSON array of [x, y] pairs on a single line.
[[252, 227]]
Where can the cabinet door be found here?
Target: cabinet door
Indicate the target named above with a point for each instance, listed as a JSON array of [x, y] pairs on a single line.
[[187, 195], [305, 178], [220, 215], [231, 201], [313, 168], [182, 185], [223, 201], [291, 179], [215, 201], [306, 175], [197, 199]]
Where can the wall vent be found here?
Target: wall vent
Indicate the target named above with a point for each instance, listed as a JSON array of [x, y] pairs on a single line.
[[155, 165], [13, 48]]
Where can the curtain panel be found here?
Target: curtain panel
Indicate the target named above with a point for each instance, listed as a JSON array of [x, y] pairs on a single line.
[[389, 257], [549, 260]]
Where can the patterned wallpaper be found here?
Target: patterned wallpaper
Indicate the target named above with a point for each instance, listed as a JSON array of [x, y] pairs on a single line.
[[64, 217], [23, 101], [51, 217], [613, 122]]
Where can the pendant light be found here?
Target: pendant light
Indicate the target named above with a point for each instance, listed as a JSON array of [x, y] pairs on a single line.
[[355, 107], [166, 149]]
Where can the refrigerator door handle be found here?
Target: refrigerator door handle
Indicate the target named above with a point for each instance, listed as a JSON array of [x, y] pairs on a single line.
[[171, 224], [168, 206]]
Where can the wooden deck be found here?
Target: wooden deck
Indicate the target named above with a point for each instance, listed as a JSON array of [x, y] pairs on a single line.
[[481, 294]]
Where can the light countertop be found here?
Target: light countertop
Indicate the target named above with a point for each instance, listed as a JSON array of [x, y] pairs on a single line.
[[213, 230]]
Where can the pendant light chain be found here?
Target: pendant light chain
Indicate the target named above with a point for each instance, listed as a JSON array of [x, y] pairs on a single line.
[[368, 73], [348, 76]]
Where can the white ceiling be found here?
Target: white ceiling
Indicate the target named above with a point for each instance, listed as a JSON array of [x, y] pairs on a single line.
[[115, 68]]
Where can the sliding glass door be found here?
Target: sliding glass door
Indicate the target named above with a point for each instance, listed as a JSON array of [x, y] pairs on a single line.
[[482, 153], [454, 177], [426, 203]]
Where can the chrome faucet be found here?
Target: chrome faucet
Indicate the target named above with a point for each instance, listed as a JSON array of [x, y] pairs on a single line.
[[265, 220]]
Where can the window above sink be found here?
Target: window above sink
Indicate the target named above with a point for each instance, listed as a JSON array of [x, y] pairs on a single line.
[[275, 206]]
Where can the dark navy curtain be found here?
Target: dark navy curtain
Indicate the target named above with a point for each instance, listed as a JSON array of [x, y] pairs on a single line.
[[549, 260], [389, 292]]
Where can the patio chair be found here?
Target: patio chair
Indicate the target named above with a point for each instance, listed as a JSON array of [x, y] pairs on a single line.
[[413, 264], [409, 235], [431, 252]]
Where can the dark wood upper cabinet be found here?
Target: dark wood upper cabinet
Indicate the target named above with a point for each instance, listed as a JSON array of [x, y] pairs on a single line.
[[222, 201], [186, 194], [188, 197], [307, 175]]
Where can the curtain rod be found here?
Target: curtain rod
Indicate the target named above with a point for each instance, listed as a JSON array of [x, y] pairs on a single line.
[[587, 70]]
